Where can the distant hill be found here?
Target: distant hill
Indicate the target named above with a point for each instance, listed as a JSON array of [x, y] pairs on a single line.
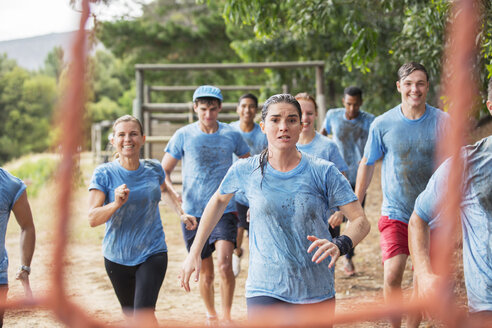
[[30, 53]]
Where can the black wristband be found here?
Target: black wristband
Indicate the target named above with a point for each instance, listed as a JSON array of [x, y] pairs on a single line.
[[344, 244]]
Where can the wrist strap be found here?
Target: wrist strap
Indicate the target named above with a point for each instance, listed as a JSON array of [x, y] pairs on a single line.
[[25, 268], [344, 244]]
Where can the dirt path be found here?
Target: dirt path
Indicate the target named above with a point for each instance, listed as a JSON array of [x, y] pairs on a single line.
[[89, 286]]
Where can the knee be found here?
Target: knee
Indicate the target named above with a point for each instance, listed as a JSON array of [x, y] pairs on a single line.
[[393, 279], [225, 268], [207, 278]]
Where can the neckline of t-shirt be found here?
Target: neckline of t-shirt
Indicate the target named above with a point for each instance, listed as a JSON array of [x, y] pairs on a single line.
[[354, 120], [208, 134], [140, 166], [290, 173], [316, 135], [420, 119]]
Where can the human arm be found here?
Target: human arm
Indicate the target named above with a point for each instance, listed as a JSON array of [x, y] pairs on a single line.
[[335, 219], [168, 164], [211, 215], [364, 177], [174, 202], [357, 230], [100, 213], [419, 244], [23, 215]]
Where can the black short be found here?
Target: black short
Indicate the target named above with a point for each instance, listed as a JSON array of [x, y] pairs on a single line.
[[226, 229], [242, 211]]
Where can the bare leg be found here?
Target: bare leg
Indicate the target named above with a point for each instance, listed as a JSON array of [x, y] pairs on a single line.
[[224, 250], [393, 274], [207, 285]]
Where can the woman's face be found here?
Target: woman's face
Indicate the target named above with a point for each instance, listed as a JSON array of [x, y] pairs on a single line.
[[282, 126], [127, 139], [308, 115]]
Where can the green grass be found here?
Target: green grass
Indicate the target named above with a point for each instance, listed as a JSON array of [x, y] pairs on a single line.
[[36, 173]]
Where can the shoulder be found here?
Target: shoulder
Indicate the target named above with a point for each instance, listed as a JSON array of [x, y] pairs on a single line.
[[106, 167], [152, 164], [387, 118], [335, 112], [8, 178], [234, 124], [324, 140], [227, 129], [440, 114], [318, 164], [367, 116]]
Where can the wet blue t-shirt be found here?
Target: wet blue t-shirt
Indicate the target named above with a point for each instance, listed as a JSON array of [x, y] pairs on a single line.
[[286, 207], [350, 137], [408, 151], [206, 159], [134, 232], [256, 141], [326, 149], [476, 219], [11, 188]]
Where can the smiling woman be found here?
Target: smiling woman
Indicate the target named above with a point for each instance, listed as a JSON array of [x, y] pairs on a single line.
[[124, 194]]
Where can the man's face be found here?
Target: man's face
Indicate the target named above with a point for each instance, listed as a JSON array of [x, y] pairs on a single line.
[[207, 113], [352, 106], [246, 110], [413, 89]]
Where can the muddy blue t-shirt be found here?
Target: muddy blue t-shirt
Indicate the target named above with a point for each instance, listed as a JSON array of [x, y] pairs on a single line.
[[255, 138], [408, 151], [11, 188], [134, 232], [286, 207], [476, 218], [350, 137], [206, 159], [326, 149], [256, 141]]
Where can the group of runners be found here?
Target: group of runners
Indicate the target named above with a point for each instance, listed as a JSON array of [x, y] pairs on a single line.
[[291, 188]]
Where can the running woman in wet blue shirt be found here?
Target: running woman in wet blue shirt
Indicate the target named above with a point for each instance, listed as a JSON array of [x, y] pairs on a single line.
[[405, 138], [349, 127], [13, 198], [256, 140], [124, 195], [206, 148], [290, 194], [476, 222]]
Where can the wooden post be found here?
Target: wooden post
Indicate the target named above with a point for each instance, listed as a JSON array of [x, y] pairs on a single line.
[[320, 94], [146, 122]]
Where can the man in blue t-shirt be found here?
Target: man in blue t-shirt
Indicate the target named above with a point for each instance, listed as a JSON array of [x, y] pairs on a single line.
[[13, 197], [405, 138], [256, 140], [476, 221], [350, 129], [206, 148]]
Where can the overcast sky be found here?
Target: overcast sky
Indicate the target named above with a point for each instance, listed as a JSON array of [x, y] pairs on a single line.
[[26, 18]]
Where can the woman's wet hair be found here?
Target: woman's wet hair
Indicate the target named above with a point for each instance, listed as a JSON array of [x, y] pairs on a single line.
[[283, 98], [128, 118], [307, 97]]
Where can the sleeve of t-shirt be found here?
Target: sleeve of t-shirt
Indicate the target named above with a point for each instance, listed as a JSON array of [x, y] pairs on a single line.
[[175, 146], [327, 123], [337, 159], [427, 202], [374, 148], [15, 188], [338, 189], [99, 180], [231, 182], [158, 170], [242, 147]]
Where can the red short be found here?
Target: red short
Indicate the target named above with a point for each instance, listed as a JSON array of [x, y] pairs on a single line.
[[394, 237]]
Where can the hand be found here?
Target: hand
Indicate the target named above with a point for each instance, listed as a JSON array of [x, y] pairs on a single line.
[[121, 194], [336, 219], [325, 248], [23, 276], [190, 221], [190, 264]]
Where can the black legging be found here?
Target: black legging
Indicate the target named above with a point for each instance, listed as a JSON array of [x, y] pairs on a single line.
[[137, 287]]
